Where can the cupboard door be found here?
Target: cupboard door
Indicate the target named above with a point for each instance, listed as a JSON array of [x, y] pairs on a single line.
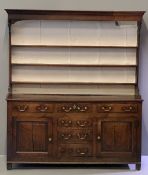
[[116, 137], [32, 136]]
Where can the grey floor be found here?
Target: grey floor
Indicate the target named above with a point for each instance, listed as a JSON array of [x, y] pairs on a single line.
[[74, 170]]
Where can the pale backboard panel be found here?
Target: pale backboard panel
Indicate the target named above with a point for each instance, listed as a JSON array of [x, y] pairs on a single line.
[[75, 33]]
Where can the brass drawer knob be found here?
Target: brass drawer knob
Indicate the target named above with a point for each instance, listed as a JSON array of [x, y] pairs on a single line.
[[98, 138], [49, 139]]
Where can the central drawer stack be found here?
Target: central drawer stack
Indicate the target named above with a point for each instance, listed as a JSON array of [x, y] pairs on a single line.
[[75, 130]]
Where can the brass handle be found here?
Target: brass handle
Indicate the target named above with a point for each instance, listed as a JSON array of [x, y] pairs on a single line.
[[66, 109], [128, 108], [74, 108], [42, 108], [22, 108], [84, 152], [82, 124], [106, 108], [66, 123], [82, 109], [49, 139], [82, 137], [66, 137]]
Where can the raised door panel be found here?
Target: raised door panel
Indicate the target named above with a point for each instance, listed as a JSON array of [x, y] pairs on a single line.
[[32, 136], [24, 141], [117, 138], [40, 137]]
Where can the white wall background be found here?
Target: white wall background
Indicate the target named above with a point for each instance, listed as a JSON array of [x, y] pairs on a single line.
[[72, 5]]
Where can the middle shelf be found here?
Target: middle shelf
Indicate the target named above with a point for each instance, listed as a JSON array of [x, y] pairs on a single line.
[[74, 56], [72, 46], [70, 83], [73, 65]]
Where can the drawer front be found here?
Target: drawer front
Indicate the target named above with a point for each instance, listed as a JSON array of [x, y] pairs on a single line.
[[75, 150], [75, 122], [75, 136], [74, 108], [23, 107], [112, 107]]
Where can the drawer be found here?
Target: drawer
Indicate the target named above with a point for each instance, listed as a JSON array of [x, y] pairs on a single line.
[[74, 108], [112, 107], [75, 136], [23, 107], [75, 122], [75, 150]]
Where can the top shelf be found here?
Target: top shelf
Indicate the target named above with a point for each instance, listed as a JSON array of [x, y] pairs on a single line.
[[71, 46]]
